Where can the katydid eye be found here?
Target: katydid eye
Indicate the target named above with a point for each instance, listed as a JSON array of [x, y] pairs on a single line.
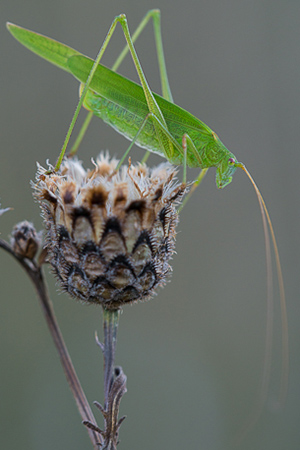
[[231, 161]]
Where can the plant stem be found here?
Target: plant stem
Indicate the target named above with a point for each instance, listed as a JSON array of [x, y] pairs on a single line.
[[110, 325], [114, 384]]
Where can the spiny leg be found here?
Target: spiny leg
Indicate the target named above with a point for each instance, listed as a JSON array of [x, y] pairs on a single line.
[[166, 91], [155, 15], [165, 86], [151, 102]]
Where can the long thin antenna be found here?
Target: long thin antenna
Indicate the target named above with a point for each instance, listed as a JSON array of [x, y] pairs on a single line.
[[269, 327], [256, 412], [284, 322]]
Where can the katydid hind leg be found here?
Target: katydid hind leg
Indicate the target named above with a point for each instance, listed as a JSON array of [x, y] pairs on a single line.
[[151, 102], [153, 107], [165, 85], [155, 15], [168, 143], [166, 91]]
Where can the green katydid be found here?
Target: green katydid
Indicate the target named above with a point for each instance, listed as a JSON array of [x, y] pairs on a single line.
[[150, 121]]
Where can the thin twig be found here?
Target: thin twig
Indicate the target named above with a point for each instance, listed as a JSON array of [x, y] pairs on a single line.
[[110, 325], [35, 274], [114, 384]]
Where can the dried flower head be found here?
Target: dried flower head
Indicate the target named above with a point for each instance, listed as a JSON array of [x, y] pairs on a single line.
[[25, 241], [109, 234]]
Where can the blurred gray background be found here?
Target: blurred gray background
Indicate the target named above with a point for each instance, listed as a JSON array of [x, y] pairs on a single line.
[[194, 354]]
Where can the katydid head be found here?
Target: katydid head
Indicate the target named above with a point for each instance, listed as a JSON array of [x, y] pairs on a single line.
[[226, 169]]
